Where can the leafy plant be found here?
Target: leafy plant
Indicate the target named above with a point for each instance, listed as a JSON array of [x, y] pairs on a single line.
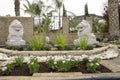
[[37, 43], [95, 25], [51, 63], [62, 65], [92, 65], [73, 23], [117, 41], [19, 61], [103, 27], [83, 42], [7, 69], [60, 41], [33, 65]]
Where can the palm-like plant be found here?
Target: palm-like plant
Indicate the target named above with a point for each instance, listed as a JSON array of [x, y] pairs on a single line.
[[58, 5], [33, 9], [17, 7]]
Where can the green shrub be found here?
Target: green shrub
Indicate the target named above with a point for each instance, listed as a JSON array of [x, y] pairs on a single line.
[[61, 41], [92, 65], [62, 65], [117, 41], [33, 65], [103, 27], [51, 63], [83, 42], [37, 43], [7, 69], [69, 47], [19, 48], [19, 61]]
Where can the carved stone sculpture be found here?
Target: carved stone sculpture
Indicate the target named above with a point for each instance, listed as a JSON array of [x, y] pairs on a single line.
[[15, 34], [84, 29]]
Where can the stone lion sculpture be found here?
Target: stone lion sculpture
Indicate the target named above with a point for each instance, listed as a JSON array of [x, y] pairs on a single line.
[[15, 34], [84, 29]]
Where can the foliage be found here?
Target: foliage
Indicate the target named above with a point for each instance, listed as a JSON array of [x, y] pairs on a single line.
[[20, 48], [34, 9], [83, 42], [46, 23], [117, 41], [62, 65], [103, 27], [69, 47], [64, 11], [7, 69], [33, 65], [19, 61], [66, 65], [86, 10], [17, 7], [51, 63], [95, 25], [61, 41], [37, 43], [58, 5], [92, 65], [73, 23]]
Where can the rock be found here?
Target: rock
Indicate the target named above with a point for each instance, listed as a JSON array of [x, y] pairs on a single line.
[[15, 34], [84, 29]]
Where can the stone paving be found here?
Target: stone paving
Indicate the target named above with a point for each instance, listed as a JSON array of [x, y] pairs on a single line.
[[113, 64]]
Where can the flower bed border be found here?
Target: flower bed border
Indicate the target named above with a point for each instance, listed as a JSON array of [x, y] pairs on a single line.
[[52, 53]]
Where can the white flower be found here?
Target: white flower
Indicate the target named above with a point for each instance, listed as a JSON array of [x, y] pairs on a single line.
[[4, 68], [97, 64], [28, 62], [91, 64], [63, 61], [90, 60], [32, 63], [55, 62]]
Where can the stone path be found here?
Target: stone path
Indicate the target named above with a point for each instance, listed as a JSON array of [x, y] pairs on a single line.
[[113, 64]]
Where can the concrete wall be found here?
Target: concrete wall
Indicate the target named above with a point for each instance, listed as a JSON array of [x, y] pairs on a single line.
[[27, 23]]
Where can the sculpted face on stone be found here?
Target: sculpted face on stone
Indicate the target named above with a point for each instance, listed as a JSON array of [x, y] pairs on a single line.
[[15, 34], [84, 29]]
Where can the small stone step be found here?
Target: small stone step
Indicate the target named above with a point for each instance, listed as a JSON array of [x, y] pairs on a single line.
[[113, 65], [72, 74]]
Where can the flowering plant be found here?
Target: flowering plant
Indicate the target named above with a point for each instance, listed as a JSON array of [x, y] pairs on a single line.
[[19, 61], [6, 67], [62, 65], [92, 65], [33, 65]]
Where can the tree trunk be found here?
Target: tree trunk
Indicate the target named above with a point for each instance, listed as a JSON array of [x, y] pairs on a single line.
[[113, 19], [17, 7], [59, 19]]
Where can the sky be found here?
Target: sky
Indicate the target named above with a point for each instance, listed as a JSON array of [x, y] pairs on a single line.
[[75, 6]]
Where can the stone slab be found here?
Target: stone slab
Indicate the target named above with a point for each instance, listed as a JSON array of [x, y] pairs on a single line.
[[113, 64], [71, 74]]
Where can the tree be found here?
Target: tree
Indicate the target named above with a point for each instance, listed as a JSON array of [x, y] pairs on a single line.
[[64, 11], [113, 16], [33, 9], [58, 5], [17, 7], [86, 10]]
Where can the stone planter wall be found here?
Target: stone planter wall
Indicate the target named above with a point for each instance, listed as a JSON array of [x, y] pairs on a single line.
[[27, 23]]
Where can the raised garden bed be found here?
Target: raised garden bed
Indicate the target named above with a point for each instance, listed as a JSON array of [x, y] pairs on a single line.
[[24, 70]]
